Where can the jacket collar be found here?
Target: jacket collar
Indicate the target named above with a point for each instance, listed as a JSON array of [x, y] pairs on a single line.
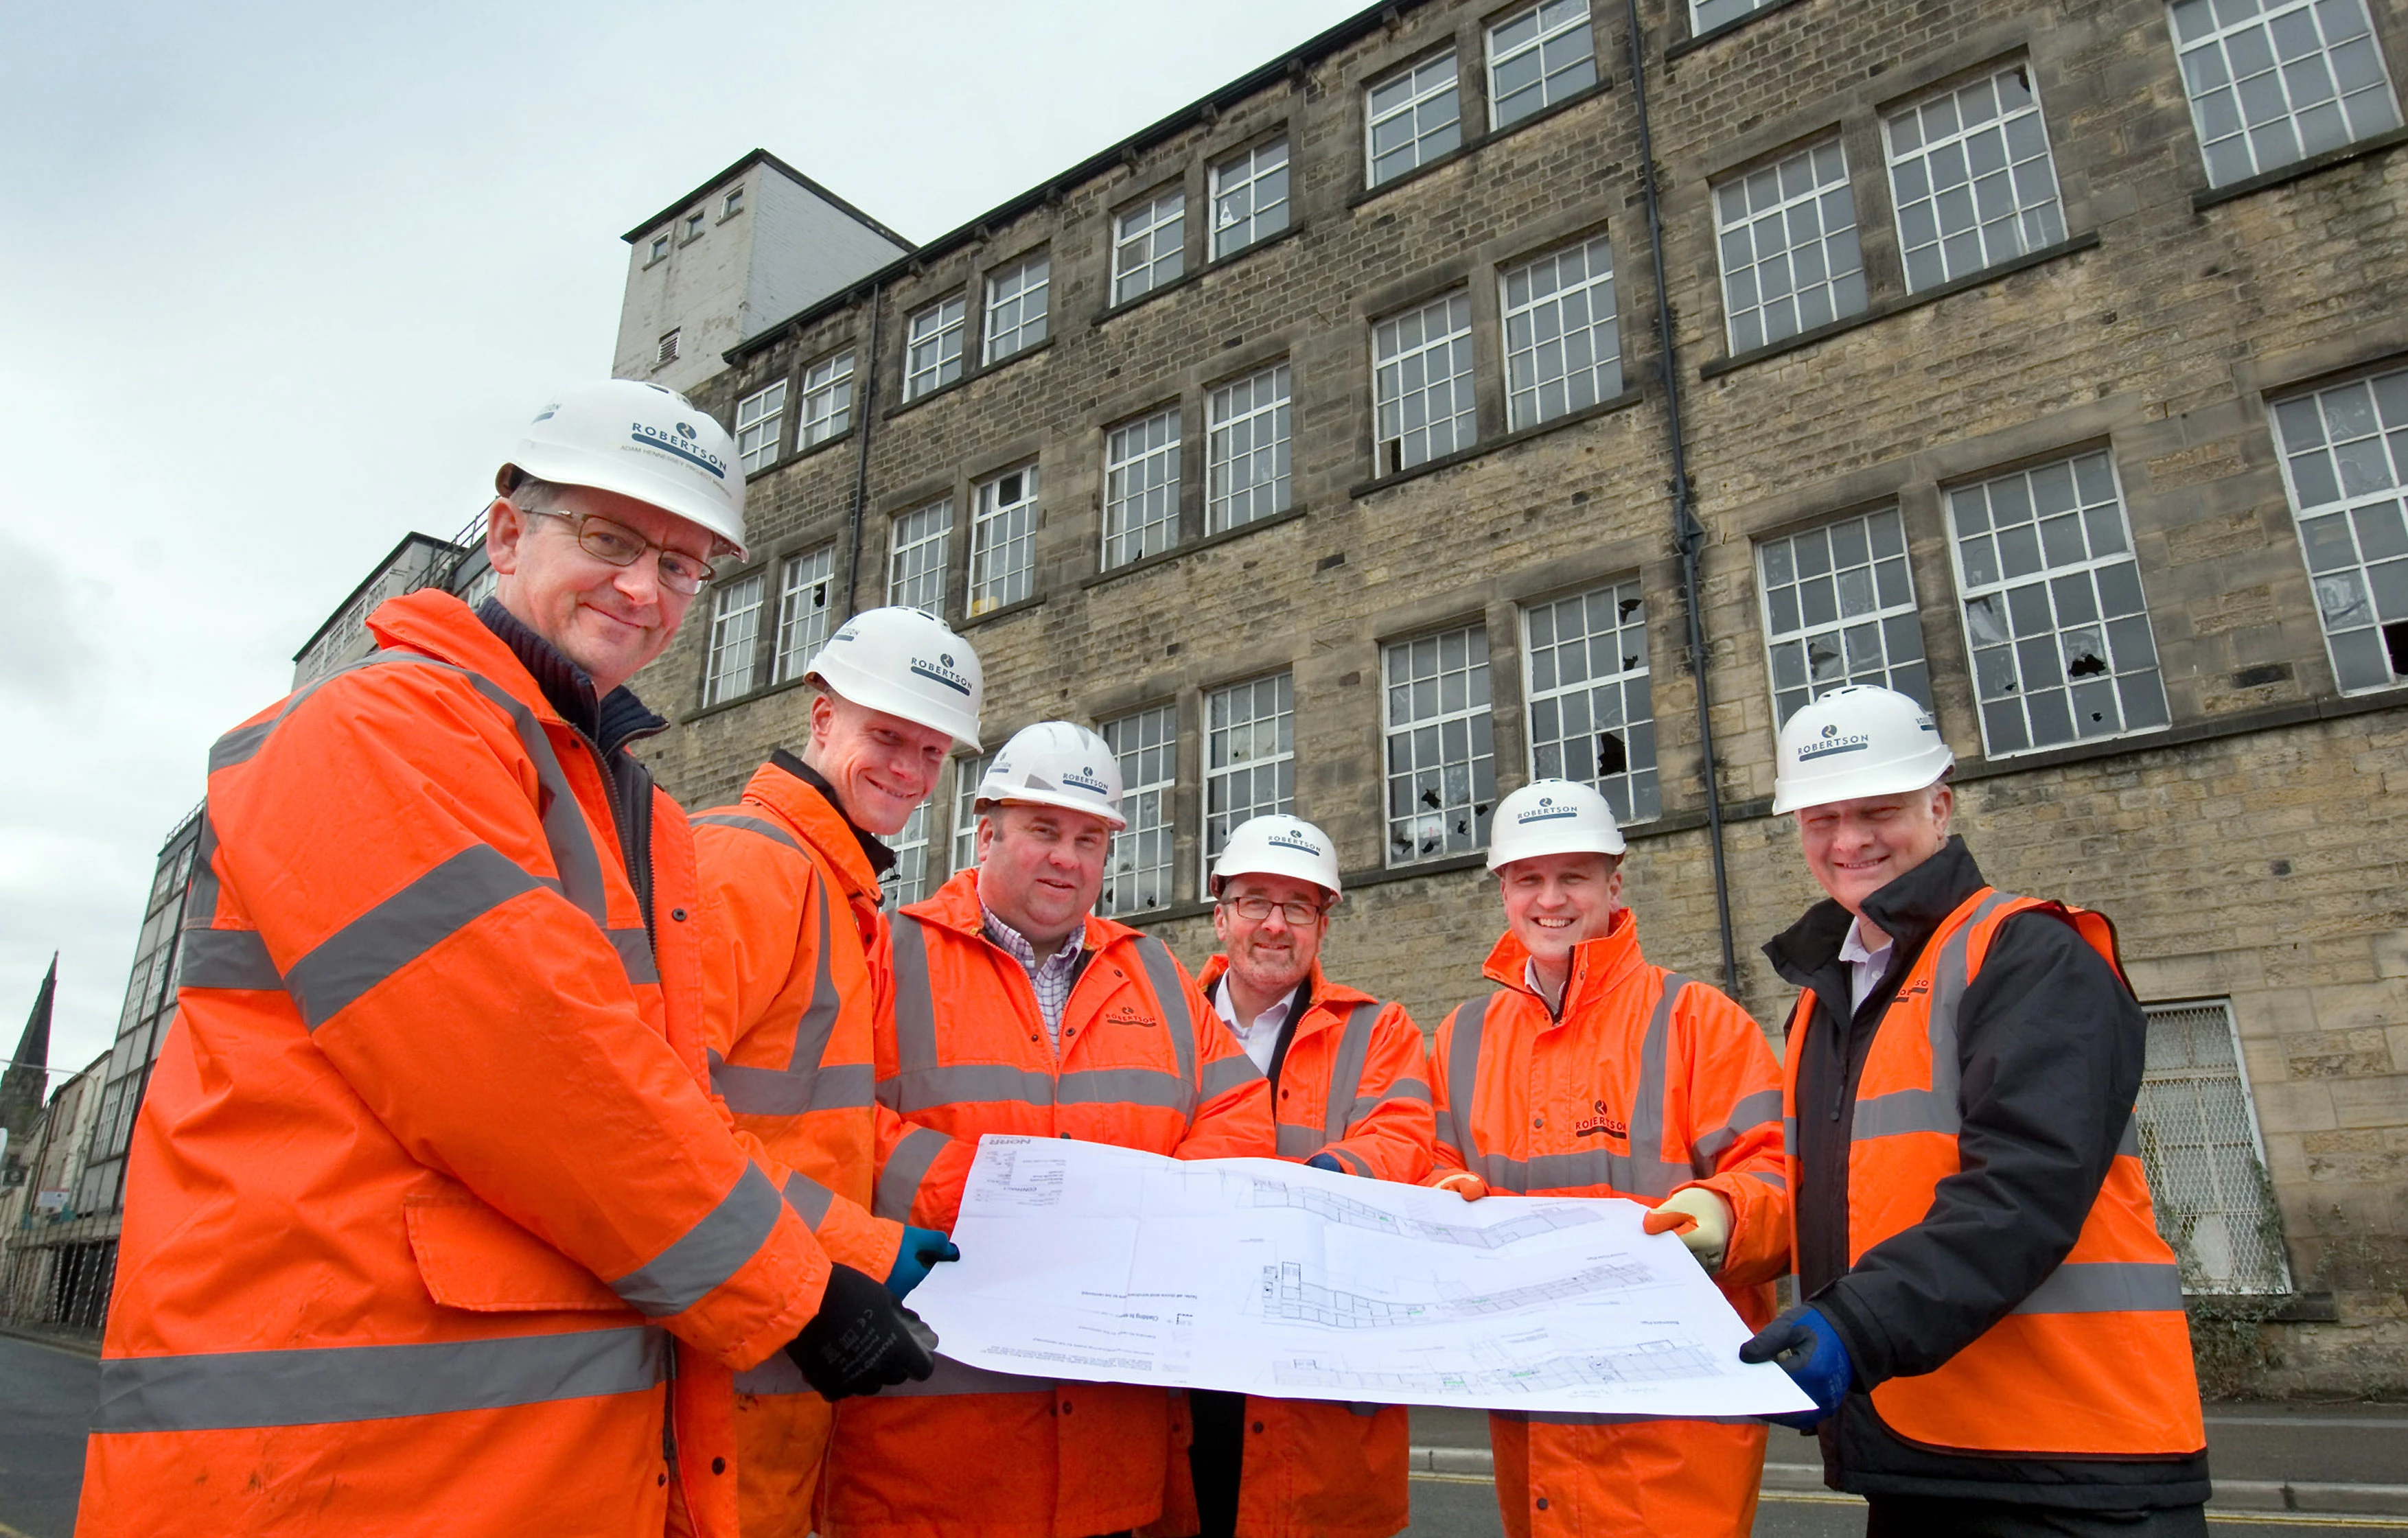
[[1319, 989], [820, 822], [611, 721], [1599, 966], [433, 624], [1909, 909], [956, 906], [875, 854]]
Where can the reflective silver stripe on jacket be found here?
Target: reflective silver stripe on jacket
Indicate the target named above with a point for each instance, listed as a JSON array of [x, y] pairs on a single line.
[[762, 826], [1939, 1109], [1747, 1114], [437, 903], [1347, 1102], [326, 1385], [708, 1254], [805, 1084], [778, 1374], [1642, 1172], [1170, 998], [2108, 1287], [905, 1168]]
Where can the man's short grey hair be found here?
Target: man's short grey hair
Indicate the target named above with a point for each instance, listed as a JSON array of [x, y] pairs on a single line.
[[530, 495]]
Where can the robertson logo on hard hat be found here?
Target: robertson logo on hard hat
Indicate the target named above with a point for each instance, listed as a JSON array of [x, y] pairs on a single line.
[[1546, 811], [1288, 838], [940, 669], [1085, 780], [1855, 741], [680, 443]]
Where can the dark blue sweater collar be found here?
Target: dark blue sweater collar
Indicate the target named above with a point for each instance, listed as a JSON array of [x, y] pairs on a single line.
[[613, 722]]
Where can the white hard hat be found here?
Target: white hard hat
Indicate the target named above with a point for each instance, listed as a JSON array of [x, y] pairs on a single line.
[[1277, 846], [906, 663], [1552, 817], [1054, 763], [640, 441], [1862, 740]]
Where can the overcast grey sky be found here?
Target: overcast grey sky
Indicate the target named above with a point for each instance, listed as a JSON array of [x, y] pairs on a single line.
[[280, 282]]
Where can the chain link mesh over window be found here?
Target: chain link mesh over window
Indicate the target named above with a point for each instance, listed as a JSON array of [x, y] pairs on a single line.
[[2199, 1140]]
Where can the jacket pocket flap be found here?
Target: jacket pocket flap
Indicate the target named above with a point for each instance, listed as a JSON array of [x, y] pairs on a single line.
[[472, 1257]]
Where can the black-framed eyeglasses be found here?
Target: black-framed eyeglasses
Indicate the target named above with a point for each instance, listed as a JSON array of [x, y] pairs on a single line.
[[1255, 908], [614, 544]]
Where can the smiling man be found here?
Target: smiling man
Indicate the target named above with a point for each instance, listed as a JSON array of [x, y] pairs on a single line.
[[431, 1222], [793, 874], [1016, 1010], [1991, 1329], [1350, 1092], [1589, 1072]]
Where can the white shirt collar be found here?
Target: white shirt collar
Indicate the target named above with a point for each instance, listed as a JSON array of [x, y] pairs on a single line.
[[1259, 1037]]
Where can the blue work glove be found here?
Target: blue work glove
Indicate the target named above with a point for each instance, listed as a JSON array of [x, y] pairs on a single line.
[[920, 1251], [1324, 1162], [1802, 1341]]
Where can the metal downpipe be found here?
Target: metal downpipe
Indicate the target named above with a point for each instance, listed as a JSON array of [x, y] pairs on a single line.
[[866, 372], [1687, 533]]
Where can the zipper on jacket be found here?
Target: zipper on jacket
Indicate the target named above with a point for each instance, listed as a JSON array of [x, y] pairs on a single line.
[[668, 1415], [622, 817]]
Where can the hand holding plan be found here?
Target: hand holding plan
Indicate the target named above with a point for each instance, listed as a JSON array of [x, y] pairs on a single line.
[[1091, 1263]]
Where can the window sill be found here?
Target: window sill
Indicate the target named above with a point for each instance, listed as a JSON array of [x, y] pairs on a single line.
[[2202, 201], [969, 378], [800, 454], [1188, 279], [2182, 734], [1717, 34], [1018, 606], [1628, 398], [1379, 876], [1472, 147], [1883, 309], [755, 697], [1286, 515]]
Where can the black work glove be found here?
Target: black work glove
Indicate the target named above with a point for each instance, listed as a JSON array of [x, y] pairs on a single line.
[[862, 1340]]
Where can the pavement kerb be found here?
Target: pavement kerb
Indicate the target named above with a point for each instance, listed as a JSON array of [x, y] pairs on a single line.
[[2254, 1495]]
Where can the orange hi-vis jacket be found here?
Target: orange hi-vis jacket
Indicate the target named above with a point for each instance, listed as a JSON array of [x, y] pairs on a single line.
[[1353, 1083], [1143, 1063], [431, 1222], [2097, 1361], [1648, 1083], [797, 981]]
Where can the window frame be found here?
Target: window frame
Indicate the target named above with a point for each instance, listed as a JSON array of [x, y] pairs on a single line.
[[761, 455], [1479, 716], [2148, 1127], [2047, 576], [796, 645], [1466, 378], [1507, 312], [1216, 188], [907, 882], [970, 769], [1021, 330], [1832, 282], [723, 678], [2267, 12], [2344, 510], [947, 331], [1698, 28], [836, 422], [1883, 615], [1165, 810], [1175, 258], [1220, 432], [898, 548], [1373, 118], [988, 509], [732, 204], [1497, 119], [1282, 719], [1641, 778], [659, 251], [2024, 236], [1119, 498]]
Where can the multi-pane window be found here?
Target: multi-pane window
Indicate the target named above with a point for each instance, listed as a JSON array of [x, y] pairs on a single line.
[[1592, 717], [1142, 489], [2198, 1141], [806, 590], [1249, 197], [1249, 758], [1563, 337], [1541, 55], [1003, 540], [828, 400], [934, 356], [2345, 462], [967, 772], [1016, 300], [1421, 379], [907, 882], [2275, 81], [1149, 244], [1838, 609], [1137, 875], [1706, 15], [1412, 117], [735, 626], [1788, 242], [757, 417], [1442, 769], [2054, 617], [915, 572], [1969, 172], [1246, 471]]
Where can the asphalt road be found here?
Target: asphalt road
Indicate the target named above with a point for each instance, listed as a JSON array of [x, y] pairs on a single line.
[[46, 1398]]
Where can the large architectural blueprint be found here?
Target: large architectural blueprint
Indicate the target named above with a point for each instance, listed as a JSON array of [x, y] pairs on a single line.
[[1084, 1261]]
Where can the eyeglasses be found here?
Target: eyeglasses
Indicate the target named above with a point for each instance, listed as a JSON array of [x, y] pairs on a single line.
[[1253, 910], [614, 544]]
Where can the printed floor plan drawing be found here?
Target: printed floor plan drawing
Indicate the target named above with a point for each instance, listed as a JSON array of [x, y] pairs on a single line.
[[1086, 1262]]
